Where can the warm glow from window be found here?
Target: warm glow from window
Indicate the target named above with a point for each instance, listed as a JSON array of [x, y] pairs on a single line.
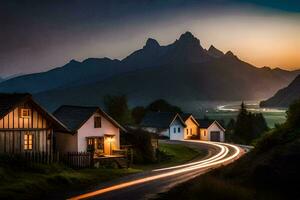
[[25, 113], [28, 141]]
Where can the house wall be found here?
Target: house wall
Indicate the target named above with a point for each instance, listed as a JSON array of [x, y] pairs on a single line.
[[190, 129], [215, 127], [66, 142], [175, 135], [88, 130], [204, 134]]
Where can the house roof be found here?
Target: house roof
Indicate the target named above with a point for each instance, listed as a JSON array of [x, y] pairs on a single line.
[[9, 101], [205, 123], [75, 116], [160, 119], [186, 116]]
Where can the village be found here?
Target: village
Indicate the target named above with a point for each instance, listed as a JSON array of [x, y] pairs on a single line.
[[86, 134]]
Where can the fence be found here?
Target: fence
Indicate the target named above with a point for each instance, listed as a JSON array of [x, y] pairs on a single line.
[[73, 159], [78, 159]]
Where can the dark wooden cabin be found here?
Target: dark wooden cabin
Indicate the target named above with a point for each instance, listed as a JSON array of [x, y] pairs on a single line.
[[25, 126]]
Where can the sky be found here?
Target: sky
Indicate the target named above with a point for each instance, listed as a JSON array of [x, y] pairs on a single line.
[[37, 35]]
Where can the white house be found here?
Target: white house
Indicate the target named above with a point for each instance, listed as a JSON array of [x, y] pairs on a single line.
[[91, 130], [211, 130], [165, 124], [192, 126]]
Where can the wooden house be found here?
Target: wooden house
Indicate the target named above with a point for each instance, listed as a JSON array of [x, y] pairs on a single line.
[[25, 126]]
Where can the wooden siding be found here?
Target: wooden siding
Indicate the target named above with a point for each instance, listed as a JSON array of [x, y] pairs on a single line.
[[13, 127]]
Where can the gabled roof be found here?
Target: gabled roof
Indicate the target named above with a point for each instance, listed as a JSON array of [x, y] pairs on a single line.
[[9, 101], [206, 123], [186, 116], [160, 119], [75, 116]]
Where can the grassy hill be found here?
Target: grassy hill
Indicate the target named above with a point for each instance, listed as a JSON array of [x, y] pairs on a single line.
[[270, 171]]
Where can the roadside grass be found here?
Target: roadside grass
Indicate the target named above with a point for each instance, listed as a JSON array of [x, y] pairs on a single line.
[[173, 154], [208, 187], [38, 180]]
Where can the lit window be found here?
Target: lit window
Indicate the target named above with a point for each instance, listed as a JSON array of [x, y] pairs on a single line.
[[25, 113], [28, 141], [178, 130], [97, 122], [174, 130]]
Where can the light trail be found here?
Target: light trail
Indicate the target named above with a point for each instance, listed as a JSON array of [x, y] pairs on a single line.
[[192, 166], [220, 155]]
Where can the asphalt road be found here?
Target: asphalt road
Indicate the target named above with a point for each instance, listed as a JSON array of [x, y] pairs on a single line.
[[148, 184]]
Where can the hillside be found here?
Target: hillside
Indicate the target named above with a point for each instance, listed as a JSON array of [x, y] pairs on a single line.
[[179, 72], [270, 171], [284, 97]]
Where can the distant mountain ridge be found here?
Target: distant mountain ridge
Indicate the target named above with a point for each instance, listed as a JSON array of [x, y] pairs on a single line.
[[285, 96], [181, 71]]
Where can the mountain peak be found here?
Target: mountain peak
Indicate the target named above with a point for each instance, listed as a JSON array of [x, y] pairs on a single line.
[[73, 61], [213, 51], [188, 37], [151, 43]]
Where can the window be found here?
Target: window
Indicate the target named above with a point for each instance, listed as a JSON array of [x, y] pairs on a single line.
[[97, 122], [191, 132], [187, 131], [25, 113], [204, 133], [28, 141], [178, 129], [174, 130]]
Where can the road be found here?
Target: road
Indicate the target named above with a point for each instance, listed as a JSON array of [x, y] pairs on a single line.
[[148, 184]]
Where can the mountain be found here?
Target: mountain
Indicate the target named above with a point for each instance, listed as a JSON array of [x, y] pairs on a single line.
[[214, 52], [285, 96], [179, 72]]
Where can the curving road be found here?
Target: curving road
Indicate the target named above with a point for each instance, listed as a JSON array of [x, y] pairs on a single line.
[[146, 185]]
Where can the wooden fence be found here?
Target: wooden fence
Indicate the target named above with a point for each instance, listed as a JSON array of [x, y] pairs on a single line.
[[75, 160], [78, 159]]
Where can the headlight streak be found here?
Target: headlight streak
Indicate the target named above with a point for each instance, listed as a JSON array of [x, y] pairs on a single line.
[[210, 162], [223, 151]]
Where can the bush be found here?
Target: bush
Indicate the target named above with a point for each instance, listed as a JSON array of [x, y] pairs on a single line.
[[142, 145]]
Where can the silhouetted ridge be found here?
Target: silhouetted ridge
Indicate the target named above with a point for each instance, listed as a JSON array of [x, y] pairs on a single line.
[[151, 44], [212, 51]]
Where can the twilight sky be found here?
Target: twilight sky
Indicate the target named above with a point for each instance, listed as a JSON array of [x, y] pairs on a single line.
[[39, 35]]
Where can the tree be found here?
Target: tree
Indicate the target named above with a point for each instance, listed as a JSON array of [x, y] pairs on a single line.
[[248, 126], [117, 108], [293, 115], [162, 105], [138, 114], [230, 130]]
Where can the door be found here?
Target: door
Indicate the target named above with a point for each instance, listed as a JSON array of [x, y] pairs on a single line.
[[215, 136]]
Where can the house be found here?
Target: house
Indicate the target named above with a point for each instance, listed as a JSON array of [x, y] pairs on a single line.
[[91, 130], [211, 130], [165, 124], [191, 131], [25, 126]]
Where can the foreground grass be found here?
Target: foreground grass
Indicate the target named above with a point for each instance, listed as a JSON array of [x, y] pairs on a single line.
[[174, 154], [35, 181]]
